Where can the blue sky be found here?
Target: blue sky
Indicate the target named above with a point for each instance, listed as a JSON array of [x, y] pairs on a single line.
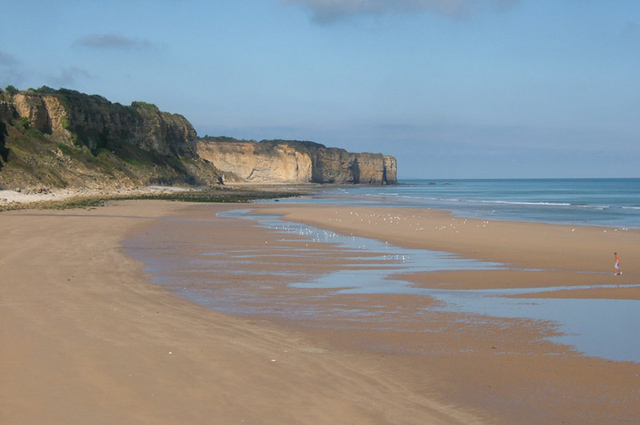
[[451, 88]]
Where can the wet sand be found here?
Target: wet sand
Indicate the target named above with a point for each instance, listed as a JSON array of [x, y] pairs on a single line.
[[506, 366], [86, 338]]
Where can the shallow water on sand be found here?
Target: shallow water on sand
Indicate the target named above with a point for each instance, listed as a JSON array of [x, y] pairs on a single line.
[[595, 327]]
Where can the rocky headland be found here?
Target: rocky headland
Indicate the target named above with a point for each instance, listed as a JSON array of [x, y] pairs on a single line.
[[294, 162], [62, 139]]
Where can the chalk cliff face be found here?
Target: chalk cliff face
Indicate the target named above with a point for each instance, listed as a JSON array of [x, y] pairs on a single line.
[[257, 163], [282, 161]]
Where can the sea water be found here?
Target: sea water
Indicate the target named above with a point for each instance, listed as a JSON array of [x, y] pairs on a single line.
[[596, 202]]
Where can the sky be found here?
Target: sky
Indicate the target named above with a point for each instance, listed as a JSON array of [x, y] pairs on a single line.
[[451, 88]]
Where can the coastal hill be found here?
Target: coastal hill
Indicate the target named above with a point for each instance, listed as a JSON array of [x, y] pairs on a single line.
[[66, 139], [62, 138]]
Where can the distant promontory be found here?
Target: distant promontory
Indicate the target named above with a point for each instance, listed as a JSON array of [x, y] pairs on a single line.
[[66, 139]]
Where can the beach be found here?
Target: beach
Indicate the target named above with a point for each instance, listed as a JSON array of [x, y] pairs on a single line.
[[88, 338]]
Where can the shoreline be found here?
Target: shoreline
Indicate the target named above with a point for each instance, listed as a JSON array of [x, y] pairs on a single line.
[[115, 324], [572, 254]]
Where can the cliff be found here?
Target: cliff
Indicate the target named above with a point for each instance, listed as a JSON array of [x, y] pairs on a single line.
[[243, 161], [63, 138], [288, 161], [93, 121]]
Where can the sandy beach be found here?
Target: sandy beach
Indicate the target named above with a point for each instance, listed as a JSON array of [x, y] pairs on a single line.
[[87, 338]]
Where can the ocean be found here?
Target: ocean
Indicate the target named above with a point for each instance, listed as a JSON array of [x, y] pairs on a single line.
[[588, 202]]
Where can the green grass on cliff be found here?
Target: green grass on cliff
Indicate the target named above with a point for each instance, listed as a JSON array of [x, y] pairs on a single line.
[[29, 158]]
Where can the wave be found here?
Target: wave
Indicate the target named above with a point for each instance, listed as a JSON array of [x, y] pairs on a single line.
[[424, 199], [614, 203], [489, 202]]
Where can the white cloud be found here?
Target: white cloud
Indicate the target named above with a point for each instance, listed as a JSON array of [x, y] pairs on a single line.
[[331, 10]]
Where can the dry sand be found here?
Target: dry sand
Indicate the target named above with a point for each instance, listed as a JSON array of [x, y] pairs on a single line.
[[86, 338]]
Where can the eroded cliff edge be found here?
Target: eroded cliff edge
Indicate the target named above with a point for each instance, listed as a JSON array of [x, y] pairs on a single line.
[[290, 161], [63, 138]]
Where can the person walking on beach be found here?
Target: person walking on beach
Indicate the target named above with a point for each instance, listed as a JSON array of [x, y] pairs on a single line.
[[618, 272]]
